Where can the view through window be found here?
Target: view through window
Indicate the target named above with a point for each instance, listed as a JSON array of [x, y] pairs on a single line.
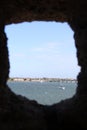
[[42, 50]]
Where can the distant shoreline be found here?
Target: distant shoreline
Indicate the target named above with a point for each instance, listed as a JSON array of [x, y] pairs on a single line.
[[43, 79]]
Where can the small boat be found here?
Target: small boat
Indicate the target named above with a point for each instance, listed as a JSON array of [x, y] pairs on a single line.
[[41, 81], [61, 87]]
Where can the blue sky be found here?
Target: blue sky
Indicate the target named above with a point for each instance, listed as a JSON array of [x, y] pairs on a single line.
[[42, 49]]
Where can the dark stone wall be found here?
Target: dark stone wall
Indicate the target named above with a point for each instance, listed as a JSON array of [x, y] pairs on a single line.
[[80, 36], [4, 58], [19, 113]]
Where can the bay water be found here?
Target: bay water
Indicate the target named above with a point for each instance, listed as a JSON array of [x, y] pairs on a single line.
[[46, 93]]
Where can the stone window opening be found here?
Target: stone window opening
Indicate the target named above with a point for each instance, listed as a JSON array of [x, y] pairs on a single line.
[[16, 112]]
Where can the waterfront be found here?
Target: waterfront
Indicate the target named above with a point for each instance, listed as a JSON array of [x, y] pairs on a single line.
[[44, 92], [44, 79]]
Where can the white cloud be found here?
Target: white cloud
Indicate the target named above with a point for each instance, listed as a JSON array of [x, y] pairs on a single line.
[[46, 48]]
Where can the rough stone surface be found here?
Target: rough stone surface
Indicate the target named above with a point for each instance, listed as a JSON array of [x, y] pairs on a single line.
[[19, 113], [16, 11]]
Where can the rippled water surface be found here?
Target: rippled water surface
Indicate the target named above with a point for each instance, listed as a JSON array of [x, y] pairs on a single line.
[[45, 92]]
